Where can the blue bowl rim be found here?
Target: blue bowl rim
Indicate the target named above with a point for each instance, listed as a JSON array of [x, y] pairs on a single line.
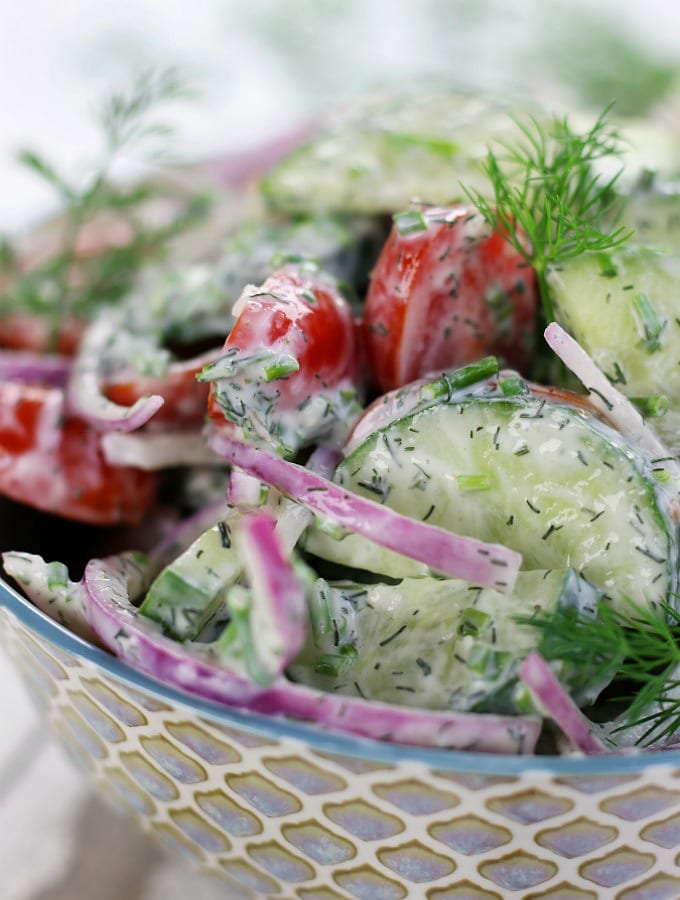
[[316, 738]]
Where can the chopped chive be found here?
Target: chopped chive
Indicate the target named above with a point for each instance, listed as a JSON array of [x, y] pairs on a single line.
[[409, 222], [451, 382], [389, 639], [653, 407], [651, 323], [335, 664], [473, 621], [424, 666], [608, 268], [473, 482], [436, 145], [279, 367], [513, 386], [57, 575]]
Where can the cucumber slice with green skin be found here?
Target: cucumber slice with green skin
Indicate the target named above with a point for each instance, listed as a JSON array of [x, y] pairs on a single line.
[[435, 644], [186, 594], [624, 309], [194, 302], [542, 477], [391, 151], [344, 247]]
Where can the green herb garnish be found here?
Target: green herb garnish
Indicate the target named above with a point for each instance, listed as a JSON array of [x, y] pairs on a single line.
[[70, 282], [639, 649], [547, 198]]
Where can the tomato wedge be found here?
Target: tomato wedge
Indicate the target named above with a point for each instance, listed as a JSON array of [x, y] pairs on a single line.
[[290, 373], [185, 397], [446, 290], [57, 465], [31, 331]]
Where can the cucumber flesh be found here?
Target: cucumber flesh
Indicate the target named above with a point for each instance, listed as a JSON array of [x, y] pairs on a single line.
[[435, 644], [189, 592], [624, 309], [390, 151], [542, 477]]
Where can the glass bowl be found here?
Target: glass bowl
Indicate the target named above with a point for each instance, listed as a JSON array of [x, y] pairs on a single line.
[[283, 809]]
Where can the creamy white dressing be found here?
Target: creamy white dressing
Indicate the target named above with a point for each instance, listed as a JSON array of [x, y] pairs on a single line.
[[261, 413], [436, 644]]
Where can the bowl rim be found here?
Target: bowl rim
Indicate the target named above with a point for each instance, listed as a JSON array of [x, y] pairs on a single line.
[[316, 738]]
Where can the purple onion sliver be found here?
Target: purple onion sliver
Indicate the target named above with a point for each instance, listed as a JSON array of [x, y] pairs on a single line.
[[480, 732], [324, 460], [84, 391], [613, 404], [244, 491], [489, 565], [102, 413], [140, 643], [236, 168], [279, 612], [34, 368], [539, 678]]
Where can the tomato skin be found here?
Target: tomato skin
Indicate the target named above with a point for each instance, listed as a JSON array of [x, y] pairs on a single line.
[[445, 295], [31, 331], [57, 465], [321, 335], [185, 397], [298, 313]]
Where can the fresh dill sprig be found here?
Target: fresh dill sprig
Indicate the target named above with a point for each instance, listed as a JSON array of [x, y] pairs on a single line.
[[639, 649], [548, 199], [124, 116], [68, 282]]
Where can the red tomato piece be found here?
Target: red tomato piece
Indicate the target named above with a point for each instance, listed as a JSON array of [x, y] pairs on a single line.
[[185, 397], [291, 369], [57, 465], [446, 290], [30, 331]]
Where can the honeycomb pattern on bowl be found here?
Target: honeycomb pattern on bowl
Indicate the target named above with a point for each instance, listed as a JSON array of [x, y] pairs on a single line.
[[277, 818]]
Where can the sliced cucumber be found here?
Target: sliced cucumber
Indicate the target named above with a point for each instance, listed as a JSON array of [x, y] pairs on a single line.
[[436, 644], [389, 151], [344, 247], [195, 302], [624, 308], [541, 477], [187, 593]]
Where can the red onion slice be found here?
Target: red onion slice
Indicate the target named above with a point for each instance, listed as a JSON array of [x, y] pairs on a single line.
[[140, 644], [490, 565], [611, 402], [540, 679], [278, 616], [110, 583], [84, 393], [34, 368]]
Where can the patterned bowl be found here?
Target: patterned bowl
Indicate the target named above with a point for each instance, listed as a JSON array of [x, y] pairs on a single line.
[[282, 809]]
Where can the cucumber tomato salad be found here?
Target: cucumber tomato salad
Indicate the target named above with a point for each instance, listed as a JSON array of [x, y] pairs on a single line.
[[394, 451]]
